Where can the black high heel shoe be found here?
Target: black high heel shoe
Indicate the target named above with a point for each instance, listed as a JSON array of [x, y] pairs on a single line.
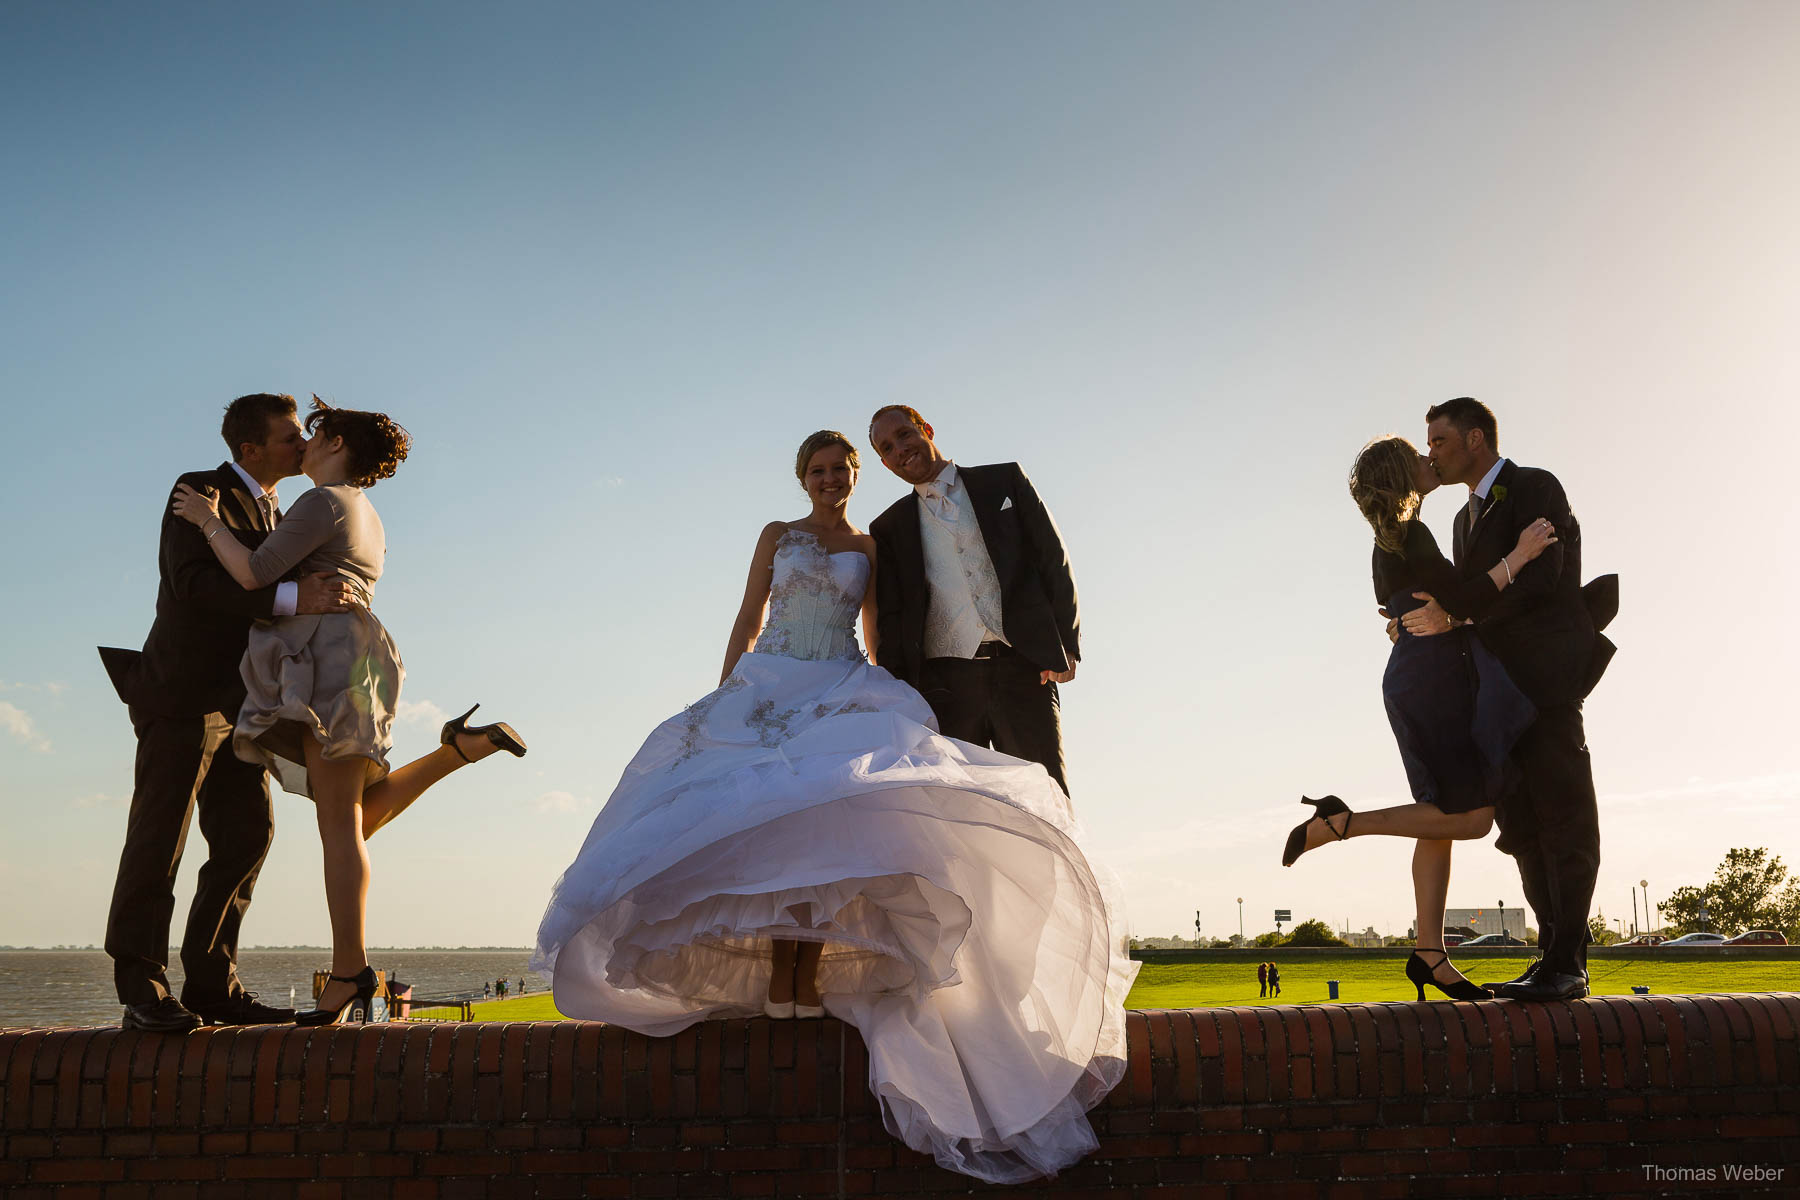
[[1420, 975], [499, 733], [364, 998], [1330, 806]]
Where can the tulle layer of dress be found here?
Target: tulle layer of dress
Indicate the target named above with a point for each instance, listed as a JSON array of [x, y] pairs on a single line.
[[964, 932]]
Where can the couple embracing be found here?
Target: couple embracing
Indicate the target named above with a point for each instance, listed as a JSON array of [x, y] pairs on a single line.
[[893, 843], [1494, 651], [265, 656]]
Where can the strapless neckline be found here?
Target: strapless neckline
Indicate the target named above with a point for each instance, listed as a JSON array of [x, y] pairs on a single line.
[[819, 541]]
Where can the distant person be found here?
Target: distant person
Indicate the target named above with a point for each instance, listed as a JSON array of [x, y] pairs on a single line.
[[804, 838], [976, 599], [487, 989], [1262, 979], [1274, 980], [183, 692], [322, 690], [1455, 712]]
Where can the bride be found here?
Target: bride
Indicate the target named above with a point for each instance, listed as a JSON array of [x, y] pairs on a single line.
[[802, 839]]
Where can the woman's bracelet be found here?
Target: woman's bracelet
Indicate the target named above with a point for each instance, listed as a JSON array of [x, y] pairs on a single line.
[[215, 533], [1508, 566]]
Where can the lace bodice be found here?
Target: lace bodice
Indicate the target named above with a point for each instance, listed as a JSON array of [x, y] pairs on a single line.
[[814, 600]]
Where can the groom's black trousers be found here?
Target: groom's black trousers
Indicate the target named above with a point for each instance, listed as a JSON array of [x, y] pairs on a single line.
[[184, 762], [998, 702], [1550, 824]]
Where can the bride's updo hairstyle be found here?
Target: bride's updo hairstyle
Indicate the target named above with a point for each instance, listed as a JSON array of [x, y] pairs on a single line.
[[1381, 483], [816, 443], [376, 445]]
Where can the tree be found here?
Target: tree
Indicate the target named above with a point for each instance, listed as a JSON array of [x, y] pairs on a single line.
[[1268, 939], [1750, 890], [1314, 933], [1599, 933]]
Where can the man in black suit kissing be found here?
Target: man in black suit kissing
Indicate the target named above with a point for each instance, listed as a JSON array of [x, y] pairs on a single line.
[[975, 601], [183, 692]]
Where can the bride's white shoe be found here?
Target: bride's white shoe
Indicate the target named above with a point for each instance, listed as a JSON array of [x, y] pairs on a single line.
[[780, 1012]]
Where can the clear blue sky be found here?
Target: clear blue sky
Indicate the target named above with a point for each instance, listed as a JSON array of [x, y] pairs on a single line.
[[611, 262]]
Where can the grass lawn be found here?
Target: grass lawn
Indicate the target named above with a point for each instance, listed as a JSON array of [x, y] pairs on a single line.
[[1218, 985]]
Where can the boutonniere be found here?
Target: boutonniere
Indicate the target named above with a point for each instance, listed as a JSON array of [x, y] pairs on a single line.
[[1497, 493]]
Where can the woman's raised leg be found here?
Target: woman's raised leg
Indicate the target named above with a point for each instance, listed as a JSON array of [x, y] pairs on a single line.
[[388, 798]]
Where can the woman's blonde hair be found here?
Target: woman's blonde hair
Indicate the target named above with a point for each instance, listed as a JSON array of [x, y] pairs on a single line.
[[816, 443], [1381, 483]]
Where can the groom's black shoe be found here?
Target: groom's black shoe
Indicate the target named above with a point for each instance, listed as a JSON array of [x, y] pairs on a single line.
[[160, 1016], [1546, 985], [1525, 976], [242, 1009]]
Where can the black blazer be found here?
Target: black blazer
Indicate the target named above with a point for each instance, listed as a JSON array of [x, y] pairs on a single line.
[[189, 664], [1539, 627], [1038, 604]]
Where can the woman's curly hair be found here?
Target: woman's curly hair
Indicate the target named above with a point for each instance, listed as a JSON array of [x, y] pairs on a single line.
[[377, 445], [1381, 483]]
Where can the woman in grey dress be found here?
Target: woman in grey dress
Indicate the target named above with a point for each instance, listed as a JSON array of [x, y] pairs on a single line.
[[322, 689]]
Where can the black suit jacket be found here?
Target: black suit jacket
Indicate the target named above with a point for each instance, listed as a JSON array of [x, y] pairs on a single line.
[[1038, 604], [1539, 627], [189, 664]]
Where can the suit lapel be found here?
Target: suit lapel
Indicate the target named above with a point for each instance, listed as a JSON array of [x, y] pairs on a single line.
[[233, 492], [911, 543], [1498, 497], [986, 500]]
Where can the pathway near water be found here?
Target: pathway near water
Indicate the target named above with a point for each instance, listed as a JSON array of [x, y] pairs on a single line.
[[74, 987]]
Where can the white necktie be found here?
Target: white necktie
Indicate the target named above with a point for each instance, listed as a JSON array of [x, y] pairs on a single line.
[[266, 503], [1474, 509], [937, 498]]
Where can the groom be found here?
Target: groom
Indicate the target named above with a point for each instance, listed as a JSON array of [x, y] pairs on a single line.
[[183, 693], [975, 601], [1542, 632]]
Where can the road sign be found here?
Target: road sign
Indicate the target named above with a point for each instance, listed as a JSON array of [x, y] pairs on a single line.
[[1283, 915]]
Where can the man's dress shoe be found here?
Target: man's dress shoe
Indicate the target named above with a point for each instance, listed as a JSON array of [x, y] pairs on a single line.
[[1546, 985], [1525, 976], [161, 1016], [242, 1008]]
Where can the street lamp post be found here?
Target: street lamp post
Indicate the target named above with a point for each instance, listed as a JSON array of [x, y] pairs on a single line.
[[1649, 925], [1502, 904], [1634, 927], [1240, 918]]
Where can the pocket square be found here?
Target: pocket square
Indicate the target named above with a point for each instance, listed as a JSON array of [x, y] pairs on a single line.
[[1006, 504]]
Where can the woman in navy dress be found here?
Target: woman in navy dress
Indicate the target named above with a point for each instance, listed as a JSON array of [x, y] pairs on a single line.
[[1454, 711]]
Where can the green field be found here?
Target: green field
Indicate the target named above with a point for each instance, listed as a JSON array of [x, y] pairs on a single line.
[[1360, 978]]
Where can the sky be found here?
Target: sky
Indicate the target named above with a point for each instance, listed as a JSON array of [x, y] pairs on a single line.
[[611, 263]]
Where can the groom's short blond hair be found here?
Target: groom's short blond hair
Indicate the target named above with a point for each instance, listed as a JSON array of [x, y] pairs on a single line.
[[912, 414]]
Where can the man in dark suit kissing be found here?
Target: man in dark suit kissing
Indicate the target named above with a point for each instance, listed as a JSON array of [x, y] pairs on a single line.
[[1544, 635], [975, 601], [183, 693]]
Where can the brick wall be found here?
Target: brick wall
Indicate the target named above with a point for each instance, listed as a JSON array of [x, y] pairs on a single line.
[[1496, 1099]]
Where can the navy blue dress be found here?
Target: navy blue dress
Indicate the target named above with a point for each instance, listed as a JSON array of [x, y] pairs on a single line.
[[1455, 712]]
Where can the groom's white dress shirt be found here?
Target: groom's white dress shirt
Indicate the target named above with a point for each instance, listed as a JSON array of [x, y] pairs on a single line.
[[965, 592], [287, 595]]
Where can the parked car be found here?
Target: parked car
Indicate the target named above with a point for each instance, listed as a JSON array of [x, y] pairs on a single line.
[[1697, 939], [1758, 937], [1494, 939], [1645, 939], [1452, 940]]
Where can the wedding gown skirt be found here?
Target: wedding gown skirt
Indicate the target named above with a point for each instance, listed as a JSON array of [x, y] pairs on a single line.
[[965, 934]]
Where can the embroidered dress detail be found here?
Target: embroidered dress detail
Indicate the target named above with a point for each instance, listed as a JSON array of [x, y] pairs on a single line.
[[814, 599]]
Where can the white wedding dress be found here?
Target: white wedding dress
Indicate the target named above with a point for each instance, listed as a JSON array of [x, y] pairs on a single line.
[[966, 935]]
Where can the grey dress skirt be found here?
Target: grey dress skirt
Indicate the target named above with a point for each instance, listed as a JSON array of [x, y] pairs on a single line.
[[333, 677]]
